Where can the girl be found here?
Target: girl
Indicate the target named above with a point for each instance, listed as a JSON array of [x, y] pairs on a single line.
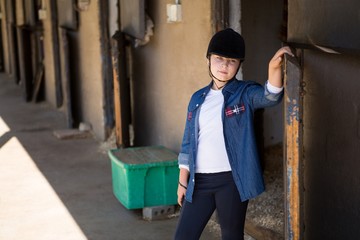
[[219, 163]]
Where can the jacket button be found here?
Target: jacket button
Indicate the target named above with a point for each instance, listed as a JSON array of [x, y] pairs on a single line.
[[197, 105]]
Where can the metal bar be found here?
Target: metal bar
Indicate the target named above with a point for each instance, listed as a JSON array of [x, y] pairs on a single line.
[[293, 148]]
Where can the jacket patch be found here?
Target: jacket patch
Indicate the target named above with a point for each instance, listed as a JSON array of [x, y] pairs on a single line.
[[234, 110], [189, 117]]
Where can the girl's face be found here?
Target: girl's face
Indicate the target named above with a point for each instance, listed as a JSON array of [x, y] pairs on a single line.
[[223, 68]]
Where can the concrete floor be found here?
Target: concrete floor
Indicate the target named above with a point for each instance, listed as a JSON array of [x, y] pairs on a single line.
[[60, 189]]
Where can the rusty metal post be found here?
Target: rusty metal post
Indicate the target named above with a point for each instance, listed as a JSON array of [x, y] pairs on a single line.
[[293, 149]]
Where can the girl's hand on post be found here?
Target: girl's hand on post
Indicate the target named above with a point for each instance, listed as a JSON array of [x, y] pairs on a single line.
[[275, 77]]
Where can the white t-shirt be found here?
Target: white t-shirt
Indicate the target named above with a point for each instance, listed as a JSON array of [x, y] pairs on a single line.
[[211, 154]]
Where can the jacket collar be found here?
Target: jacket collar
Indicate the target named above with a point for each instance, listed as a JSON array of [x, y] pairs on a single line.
[[229, 87]]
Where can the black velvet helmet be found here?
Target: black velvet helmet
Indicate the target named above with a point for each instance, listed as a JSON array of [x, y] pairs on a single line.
[[227, 43]]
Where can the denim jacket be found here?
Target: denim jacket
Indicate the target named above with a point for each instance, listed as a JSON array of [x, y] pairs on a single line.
[[241, 99]]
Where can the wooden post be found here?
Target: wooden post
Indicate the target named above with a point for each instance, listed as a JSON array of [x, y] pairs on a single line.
[[65, 76], [121, 90]]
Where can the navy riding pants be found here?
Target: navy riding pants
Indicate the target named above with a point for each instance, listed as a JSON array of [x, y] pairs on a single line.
[[213, 191]]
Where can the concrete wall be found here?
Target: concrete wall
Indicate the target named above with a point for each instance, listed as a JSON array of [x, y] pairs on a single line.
[[5, 37], [50, 90], [90, 69], [168, 70]]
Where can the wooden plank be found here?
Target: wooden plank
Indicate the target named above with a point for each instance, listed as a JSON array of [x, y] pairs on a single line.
[[56, 53], [23, 57], [121, 91], [38, 80], [13, 52], [220, 14], [259, 232], [106, 70], [65, 76], [117, 106], [293, 149], [25, 61]]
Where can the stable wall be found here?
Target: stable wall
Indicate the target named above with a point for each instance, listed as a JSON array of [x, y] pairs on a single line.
[[331, 115], [331, 146], [85, 68], [168, 70]]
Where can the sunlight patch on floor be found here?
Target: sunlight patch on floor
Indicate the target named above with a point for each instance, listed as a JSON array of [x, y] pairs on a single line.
[[29, 207], [3, 127]]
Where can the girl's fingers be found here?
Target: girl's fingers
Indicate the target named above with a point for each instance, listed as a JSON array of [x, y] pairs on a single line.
[[180, 199], [278, 57]]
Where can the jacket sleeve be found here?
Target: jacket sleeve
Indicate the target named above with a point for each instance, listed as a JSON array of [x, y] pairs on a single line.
[[183, 158], [261, 97]]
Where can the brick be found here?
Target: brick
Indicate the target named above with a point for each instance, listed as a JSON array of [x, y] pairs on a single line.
[[71, 134], [158, 212]]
